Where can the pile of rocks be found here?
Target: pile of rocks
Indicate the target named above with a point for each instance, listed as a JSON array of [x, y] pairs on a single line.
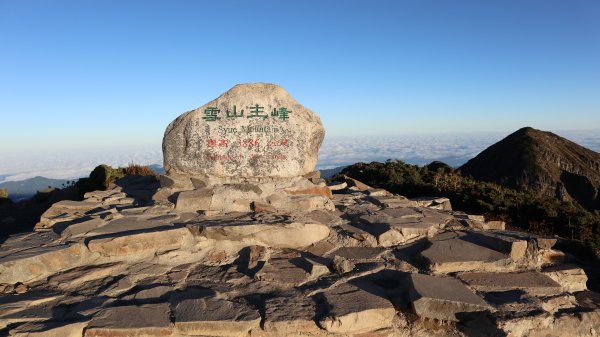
[[224, 258]]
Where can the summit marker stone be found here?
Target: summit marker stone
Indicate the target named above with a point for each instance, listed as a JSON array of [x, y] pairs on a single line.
[[251, 131]]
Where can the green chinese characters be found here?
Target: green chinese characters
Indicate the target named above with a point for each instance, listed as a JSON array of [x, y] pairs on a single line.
[[211, 114]]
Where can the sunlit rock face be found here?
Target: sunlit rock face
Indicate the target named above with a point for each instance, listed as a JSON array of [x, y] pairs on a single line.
[[252, 130]]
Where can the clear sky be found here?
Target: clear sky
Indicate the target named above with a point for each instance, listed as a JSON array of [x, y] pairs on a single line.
[[77, 74]]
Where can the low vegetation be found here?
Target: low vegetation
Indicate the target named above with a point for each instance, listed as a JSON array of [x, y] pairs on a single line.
[[4, 196], [103, 175], [521, 209]]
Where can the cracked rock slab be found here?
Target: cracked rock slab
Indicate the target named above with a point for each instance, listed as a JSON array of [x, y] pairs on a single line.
[[127, 321], [443, 298], [214, 317], [356, 309], [449, 253], [291, 314], [281, 235], [531, 282]]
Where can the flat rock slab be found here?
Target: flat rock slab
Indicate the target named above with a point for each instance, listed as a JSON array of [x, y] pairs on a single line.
[[291, 314], [393, 201], [49, 330], [571, 278], [447, 255], [134, 223], [35, 263], [531, 282], [443, 298], [126, 321], [284, 270], [214, 317], [512, 245], [357, 308], [147, 242], [400, 225], [280, 235]]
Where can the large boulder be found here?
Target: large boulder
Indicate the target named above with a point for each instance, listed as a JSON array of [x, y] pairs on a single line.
[[252, 131]]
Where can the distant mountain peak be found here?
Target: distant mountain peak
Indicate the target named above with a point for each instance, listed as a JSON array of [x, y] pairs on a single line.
[[541, 161]]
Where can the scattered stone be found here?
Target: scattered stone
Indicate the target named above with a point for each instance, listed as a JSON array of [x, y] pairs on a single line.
[[316, 266], [338, 186], [342, 265], [442, 204], [443, 298], [195, 200]]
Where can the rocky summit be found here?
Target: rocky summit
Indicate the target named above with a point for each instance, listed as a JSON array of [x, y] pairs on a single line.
[[275, 251]]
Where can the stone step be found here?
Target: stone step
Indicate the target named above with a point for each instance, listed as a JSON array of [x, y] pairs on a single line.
[[449, 253], [132, 320], [290, 314], [357, 308], [571, 278], [443, 298], [277, 235], [515, 247], [284, 270], [401, 225], [532, 282], [128, 245], [37, 263], [214, 317]]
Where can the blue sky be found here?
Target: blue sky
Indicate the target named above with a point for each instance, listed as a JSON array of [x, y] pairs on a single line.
[[93, 74]]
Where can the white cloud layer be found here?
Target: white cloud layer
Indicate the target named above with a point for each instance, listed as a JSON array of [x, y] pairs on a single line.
[[454, 149]]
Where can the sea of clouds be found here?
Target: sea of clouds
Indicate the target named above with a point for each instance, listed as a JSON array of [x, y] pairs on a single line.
[[454, 149]]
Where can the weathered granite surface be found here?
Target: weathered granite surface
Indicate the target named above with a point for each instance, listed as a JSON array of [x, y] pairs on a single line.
[[251, 131], [121, 264]]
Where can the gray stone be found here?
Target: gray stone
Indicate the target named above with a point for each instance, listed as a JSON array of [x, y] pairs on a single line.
[[392, 201], [146, 243], [290, 315], [359, 254], [277, 235], [516, 247], [571, 278], [531, 282], [214, 317], [195, 200], [247, 146], [342, 265], [443, 298], [285, 269], [356, 309], [41, 262], [434, 202], [143, 320], [449, 254]]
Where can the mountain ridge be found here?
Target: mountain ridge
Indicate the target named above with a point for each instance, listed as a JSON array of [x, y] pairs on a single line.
[[543, 162]]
